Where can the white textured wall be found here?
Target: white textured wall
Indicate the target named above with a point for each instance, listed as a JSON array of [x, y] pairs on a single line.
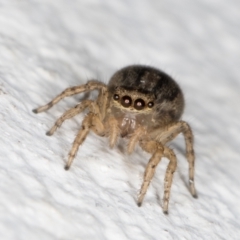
[[47, 46]]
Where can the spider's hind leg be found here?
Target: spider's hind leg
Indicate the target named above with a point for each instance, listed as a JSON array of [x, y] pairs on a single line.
[[158, 152], [185, 129]]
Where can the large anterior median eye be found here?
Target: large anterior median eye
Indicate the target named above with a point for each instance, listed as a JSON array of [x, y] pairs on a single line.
[[139, 104], [126, 101]]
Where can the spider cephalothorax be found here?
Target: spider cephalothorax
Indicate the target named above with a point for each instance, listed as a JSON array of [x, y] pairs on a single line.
[[142, 104]]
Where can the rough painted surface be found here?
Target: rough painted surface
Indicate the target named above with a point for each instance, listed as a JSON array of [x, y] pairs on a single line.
[[47, 46]]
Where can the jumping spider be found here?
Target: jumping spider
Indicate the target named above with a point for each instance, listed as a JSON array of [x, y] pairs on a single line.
[[142, 104]]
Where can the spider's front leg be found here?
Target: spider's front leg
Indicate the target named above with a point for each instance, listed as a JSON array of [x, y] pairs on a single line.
[[89, 86]]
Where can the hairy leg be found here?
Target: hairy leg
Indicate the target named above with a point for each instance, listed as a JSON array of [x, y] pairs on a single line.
[[113, 131], [170, 134], [90, 122], [102, 101], [187, 132], [140, 132], [157, 150], [169, 176], [97, 126], [89, 86], [81, 136], [69, 114]]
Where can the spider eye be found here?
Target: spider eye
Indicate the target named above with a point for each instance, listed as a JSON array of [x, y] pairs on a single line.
[[150, 104], [126, 101], [139, 104], [115, 96]]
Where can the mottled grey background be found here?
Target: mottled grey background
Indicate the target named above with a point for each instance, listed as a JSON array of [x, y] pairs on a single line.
[[47, 46]]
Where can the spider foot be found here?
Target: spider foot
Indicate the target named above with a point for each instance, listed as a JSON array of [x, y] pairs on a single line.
[[165, 212], [66, 167], [140, 199], [165, 206], [49, 133], [192, 189]]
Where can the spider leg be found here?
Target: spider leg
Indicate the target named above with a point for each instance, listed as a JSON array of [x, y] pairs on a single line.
[[98, 109], [187, 132], [135, 138], [90, 122], [169, 176], [89, 86], [157, 150], [170, 134], [101, 102], [97, 126], [114, 131], [81, 136], [69, 114]]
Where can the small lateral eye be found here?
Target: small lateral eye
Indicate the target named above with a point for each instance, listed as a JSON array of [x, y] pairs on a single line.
[[115, 96], [139, 104], [150, 104], [126, 101]]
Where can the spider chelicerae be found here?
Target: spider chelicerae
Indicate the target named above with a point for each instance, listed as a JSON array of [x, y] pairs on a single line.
[[143, 105]]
